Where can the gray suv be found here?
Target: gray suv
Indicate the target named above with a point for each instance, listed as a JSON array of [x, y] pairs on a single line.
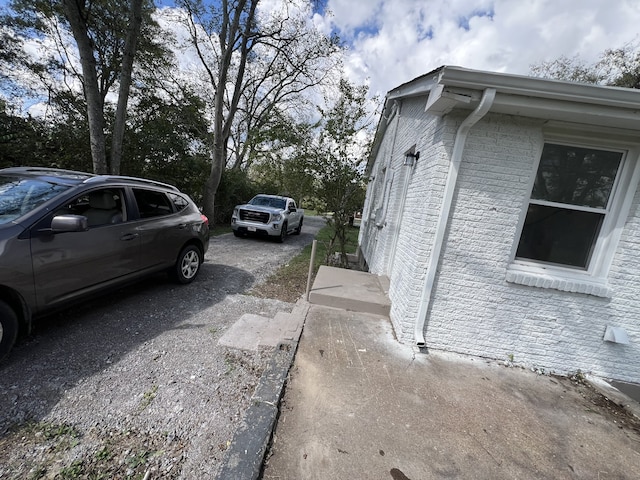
[[66, 235]]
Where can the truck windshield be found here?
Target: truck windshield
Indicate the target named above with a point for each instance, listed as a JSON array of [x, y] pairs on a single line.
[[269, 202], [19, 196]]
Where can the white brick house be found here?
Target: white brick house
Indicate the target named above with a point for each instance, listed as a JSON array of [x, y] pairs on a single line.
[[515, 233]]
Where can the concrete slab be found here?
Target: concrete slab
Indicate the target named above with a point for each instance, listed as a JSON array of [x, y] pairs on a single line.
[[252, 332], [360, 405], [350, 290]]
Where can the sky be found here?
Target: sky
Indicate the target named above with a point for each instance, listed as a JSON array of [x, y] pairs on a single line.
[[393, 41]]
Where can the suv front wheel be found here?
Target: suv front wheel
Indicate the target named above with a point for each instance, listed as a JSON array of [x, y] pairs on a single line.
[[188, 264], [8, 328], [283, 232]]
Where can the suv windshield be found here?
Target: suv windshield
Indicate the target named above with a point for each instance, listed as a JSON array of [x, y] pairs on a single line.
[[19, 196]]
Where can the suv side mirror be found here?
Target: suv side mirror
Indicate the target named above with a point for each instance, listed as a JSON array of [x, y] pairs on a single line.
[[69, 223]]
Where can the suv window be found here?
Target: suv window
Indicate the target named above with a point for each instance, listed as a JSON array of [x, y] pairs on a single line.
[[20, 196], [180, 202], [101, 207], [152, 203]]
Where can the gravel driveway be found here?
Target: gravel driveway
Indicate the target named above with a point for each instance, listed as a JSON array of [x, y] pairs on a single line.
[[134, 384]]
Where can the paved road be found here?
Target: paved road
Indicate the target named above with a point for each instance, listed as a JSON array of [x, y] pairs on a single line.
[[145, 359]]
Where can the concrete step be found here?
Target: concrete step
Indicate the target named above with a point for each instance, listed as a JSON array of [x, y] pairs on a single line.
[[351, 290], [252, 332]]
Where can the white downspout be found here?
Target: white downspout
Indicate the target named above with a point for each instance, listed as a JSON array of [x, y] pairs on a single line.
[[445, 208]]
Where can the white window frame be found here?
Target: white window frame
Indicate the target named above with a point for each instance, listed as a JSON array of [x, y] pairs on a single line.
[[592, 280]]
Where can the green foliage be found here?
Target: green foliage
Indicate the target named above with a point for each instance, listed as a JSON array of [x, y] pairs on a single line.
[[72, 471], [618, 67], [281, 164], [165, 142], [337, 165], [235, 188], [54, 78]]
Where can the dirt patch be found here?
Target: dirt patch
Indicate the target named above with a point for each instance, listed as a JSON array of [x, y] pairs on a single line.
[[595, 401], [288, 288], [60, 451]]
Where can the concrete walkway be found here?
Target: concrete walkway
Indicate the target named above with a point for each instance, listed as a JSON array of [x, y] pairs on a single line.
[[358, 404]]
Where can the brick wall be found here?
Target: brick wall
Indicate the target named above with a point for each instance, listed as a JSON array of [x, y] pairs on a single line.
[[473, 309]]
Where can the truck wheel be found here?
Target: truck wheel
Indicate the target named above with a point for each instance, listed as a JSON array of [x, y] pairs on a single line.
[[187, 265], [8, 329], [283, 232], [299, 229]]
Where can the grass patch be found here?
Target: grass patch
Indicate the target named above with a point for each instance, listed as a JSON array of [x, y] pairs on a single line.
[[217, 230], [289, 282]]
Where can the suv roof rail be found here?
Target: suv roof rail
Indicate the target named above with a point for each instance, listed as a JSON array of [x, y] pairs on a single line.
[[56, 172], [98, 178]]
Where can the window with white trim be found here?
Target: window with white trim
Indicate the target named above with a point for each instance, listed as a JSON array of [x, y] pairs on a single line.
[[571, 197], [580, 197]]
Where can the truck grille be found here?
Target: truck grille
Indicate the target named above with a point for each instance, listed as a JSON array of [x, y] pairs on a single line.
[[253, 216]]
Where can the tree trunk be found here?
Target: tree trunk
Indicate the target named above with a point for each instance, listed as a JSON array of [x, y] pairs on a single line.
[[135, 23], [232, 30], [76, 15], [211, 187]]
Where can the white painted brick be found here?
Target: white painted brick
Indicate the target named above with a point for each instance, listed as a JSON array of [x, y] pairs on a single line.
[[473, 309]]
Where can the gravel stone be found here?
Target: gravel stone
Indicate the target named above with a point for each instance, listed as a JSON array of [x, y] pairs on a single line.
[[134, 384]]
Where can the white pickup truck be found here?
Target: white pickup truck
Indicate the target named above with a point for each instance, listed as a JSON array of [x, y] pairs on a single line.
[[271, 215]]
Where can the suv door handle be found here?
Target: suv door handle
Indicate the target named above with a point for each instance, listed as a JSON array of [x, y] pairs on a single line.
[[129, 236]]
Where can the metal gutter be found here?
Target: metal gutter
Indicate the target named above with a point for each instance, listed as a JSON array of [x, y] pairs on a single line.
[[540, 87]]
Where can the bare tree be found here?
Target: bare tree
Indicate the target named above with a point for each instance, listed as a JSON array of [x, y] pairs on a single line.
[[254, 61]]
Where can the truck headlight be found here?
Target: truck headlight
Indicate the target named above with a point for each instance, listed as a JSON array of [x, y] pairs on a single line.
[[276, 218]]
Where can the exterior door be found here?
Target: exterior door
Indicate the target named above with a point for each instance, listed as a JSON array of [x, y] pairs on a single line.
[[70, 264]]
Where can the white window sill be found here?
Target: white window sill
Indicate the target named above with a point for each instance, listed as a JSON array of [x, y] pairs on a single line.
[[566, 281]]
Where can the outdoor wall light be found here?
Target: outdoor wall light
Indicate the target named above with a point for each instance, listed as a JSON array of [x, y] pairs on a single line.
[[410, 158]]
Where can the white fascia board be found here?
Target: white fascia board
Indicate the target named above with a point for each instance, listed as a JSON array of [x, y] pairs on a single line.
[[415, 88], [545, 109], [568, 111]]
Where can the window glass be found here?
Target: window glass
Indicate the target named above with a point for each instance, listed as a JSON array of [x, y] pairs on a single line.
[[569, 201], [179, 201], [152, 203], [101, 207], [557, 235], [576, 176], [20, 196]]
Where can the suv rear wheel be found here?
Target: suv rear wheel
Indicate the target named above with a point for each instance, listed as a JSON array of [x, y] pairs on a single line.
[[8, 328], [188, 264]]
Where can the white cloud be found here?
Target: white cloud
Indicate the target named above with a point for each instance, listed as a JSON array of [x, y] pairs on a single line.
[[394, 41]]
